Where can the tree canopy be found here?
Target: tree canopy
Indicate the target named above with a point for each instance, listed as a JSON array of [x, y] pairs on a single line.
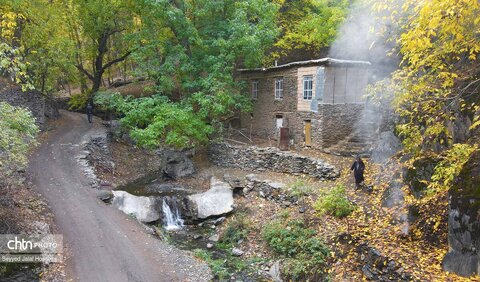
[[437, 83]]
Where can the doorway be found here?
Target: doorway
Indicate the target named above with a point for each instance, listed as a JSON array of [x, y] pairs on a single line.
[[308, 133]]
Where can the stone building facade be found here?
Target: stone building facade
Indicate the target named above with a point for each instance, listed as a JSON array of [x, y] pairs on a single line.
[[318, 100]]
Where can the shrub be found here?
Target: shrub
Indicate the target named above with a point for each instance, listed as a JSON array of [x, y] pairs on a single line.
[[334, 202], [236, 230], [299, 189], [304, 254], [218, 266], [78, 102], [17, 134]]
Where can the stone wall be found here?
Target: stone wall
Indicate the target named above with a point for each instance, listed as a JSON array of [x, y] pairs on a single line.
[[330, 125], [39, 105], [337, 122], [271, 159], [265, 108]]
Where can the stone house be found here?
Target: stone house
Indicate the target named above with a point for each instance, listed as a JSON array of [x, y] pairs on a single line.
[[319, 101]]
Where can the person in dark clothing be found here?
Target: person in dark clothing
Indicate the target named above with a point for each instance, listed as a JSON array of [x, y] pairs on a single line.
[[89, 112], [358, 167]]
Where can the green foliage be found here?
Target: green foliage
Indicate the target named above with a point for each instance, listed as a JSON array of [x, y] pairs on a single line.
[[304, 254], [201, 45], [17, 135], [38, 31], [308, 24], [451, 166], [299, 189], [224, 267], [155, 120], [218, 266], [78, 102], [11, 64], [237, 229], [334, 202]]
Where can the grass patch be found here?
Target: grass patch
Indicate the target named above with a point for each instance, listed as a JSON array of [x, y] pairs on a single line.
[[304, 254], [334, 202], [299, 189], [218, 266], [236, 230]]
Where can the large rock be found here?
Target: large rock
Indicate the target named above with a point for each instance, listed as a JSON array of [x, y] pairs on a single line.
[[143, 208], [176, 163], [217, 200], [464, 221], [387, 145], [275, 272]]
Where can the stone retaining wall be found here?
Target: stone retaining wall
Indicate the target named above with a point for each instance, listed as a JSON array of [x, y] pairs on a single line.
[[40, 106], [270, 159]]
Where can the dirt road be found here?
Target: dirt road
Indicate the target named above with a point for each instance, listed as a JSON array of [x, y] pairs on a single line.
[[105, 244]]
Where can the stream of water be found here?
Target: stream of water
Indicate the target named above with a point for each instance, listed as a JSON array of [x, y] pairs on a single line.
[[172, 219]]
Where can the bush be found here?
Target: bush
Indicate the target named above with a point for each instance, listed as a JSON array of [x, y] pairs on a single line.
[[299, 189], [17, 133], [218, 266], [334, 202], [304, 254], [154, 121], [78, 102], [236, 230]]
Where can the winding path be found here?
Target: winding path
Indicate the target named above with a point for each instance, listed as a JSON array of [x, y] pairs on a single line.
[[104, 244]]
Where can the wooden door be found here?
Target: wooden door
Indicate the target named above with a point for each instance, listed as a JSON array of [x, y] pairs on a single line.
[[308, 133]]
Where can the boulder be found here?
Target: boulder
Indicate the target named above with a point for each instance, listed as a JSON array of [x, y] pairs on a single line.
[[104, 195], [176, 163], [218, 200], [275, 272], [143, 208], [464, 221], [164, 188], [387, 145]]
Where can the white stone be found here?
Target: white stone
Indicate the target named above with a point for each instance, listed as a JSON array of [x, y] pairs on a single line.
[[275, 272], [237, 252], [143, 208], [217, 200]]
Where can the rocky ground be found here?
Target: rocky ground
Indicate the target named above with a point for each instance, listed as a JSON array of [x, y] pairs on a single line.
[[375, 242]]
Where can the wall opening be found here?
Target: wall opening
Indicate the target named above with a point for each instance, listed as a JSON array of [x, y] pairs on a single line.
[[308, 132]]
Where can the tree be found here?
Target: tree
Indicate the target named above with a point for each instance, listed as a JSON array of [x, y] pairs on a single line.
[[35, 30], [192, 50], [438, 80], [100, 29], [307, 25]]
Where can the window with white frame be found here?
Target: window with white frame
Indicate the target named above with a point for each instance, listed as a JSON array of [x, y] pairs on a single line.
[[254, 89], [279, 88], [308, 87]]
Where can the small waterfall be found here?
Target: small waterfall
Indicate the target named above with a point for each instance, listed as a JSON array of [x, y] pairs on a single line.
[[171, 214]]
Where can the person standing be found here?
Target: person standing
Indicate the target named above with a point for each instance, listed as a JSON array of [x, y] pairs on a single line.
[[89, 112], [358, 168]]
